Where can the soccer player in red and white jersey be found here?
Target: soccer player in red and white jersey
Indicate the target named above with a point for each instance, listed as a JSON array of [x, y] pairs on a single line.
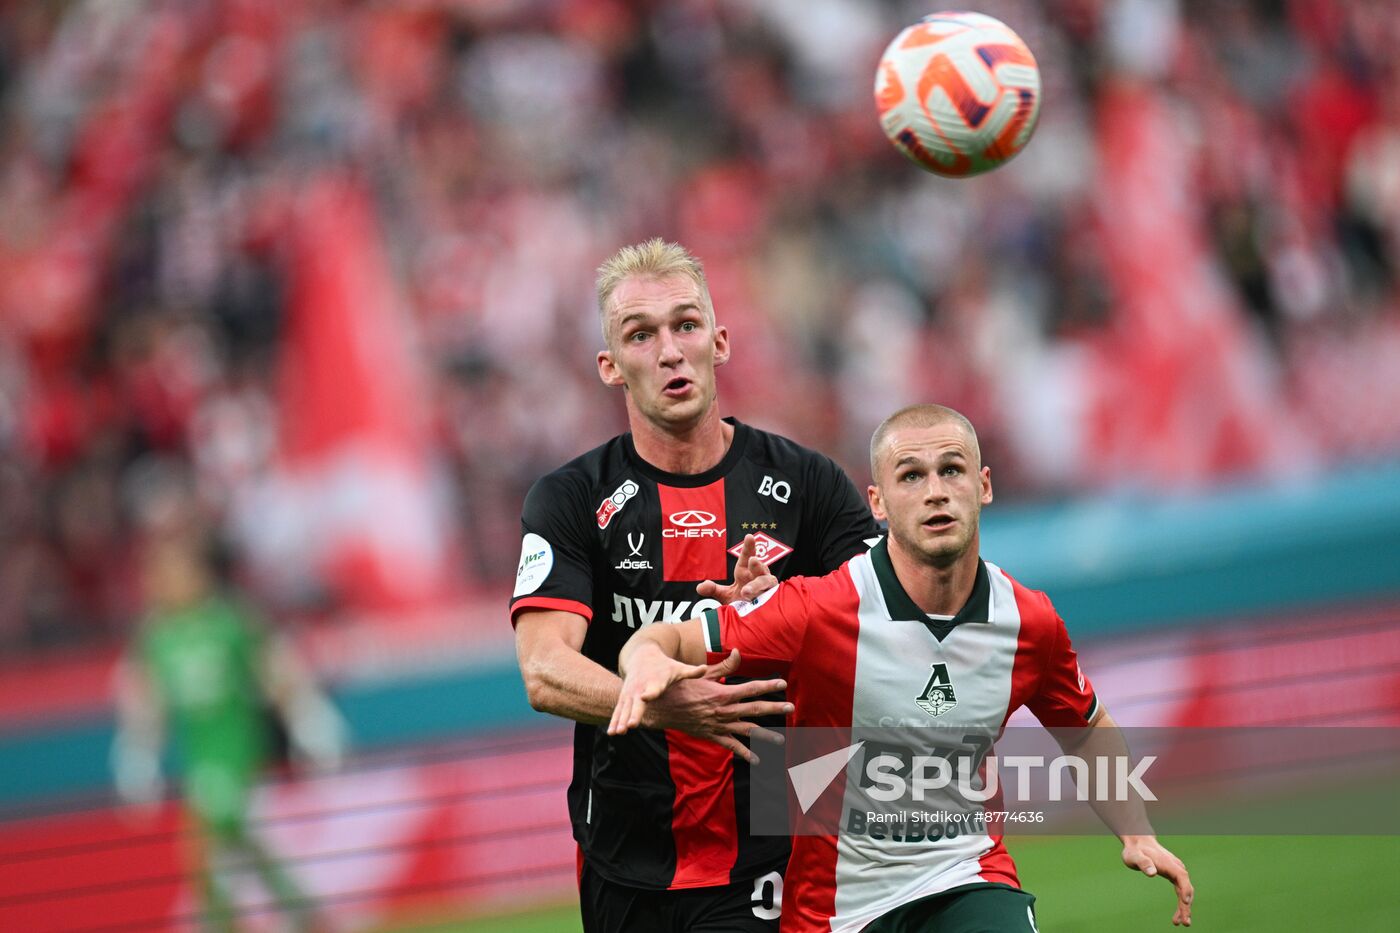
[[857, 647]]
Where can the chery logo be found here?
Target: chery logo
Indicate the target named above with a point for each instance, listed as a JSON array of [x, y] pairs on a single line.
[[692, 519], [692, 523]]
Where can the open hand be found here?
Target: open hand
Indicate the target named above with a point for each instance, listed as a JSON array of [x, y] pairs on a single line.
[[694, 700], [1147, 855], [751, 577], [650, 673]]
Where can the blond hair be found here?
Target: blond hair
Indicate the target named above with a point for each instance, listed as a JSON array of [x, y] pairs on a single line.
[[655, 258], [919, 416]]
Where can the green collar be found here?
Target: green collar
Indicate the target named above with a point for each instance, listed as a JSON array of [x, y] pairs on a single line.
[[978, 607]]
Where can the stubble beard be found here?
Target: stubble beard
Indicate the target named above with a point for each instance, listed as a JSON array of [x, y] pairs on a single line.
[[941, 553], [686, 414]]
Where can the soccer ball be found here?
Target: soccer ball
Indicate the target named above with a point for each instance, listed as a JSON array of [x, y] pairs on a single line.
[[958, 93]]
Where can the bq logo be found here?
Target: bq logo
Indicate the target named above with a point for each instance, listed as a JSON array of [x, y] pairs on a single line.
[[614, 503]]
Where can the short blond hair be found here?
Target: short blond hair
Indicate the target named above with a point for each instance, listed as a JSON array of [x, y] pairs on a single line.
[[655, 258], [919, 416]]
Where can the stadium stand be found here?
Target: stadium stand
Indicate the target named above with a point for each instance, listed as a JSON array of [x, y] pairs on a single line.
[[326, 267]]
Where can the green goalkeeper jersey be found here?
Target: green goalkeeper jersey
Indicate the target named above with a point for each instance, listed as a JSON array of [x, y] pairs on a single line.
[[205, 662]]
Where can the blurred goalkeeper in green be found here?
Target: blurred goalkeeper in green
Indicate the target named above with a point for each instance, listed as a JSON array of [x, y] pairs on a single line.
[[203, 665]]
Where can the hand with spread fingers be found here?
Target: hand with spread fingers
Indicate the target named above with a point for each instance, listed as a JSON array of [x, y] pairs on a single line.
[[751, 577], [661, 693]]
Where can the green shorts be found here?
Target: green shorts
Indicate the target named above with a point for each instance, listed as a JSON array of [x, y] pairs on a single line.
[[983, 907], [219, 794]]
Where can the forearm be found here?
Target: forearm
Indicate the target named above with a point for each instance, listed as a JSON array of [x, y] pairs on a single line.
[[140, 720], [135, 753], [1124, 810], [1117, 803], [563, 682], [663, 638], [318, 733]]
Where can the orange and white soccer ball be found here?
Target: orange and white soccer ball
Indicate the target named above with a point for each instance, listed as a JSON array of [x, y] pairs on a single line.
[[958, 93]]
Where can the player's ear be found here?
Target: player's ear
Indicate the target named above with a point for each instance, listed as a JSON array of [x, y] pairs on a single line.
[[986, 478], [721, 344], [608, 371], [877, 504]]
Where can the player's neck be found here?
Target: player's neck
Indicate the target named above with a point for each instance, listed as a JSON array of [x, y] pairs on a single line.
[[686, 451], [941, 590]]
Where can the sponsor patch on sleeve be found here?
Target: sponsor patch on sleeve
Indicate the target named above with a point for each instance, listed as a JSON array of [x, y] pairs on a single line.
[[744, 606], [536, 561]]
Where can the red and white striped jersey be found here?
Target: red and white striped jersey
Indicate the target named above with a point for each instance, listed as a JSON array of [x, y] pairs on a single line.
[[857, 652]]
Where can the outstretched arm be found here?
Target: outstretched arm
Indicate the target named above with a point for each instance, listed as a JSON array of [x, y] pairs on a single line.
[[661, 660], [560, 680], [1128, 818], [140, 734], [317, 731], [652, 660]]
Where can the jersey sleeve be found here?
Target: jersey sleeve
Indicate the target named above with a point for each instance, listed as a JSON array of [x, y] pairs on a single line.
[[768, 631], [840, 515], [1065, 696], [555, 570]]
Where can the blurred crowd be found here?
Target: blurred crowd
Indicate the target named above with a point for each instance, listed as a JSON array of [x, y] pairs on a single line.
[[160, 163]]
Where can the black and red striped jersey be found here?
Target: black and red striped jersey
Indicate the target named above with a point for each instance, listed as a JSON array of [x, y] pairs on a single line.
[[623, 544]]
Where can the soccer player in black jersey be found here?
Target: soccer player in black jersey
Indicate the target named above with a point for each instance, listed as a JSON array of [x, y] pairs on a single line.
[[637, 531]]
